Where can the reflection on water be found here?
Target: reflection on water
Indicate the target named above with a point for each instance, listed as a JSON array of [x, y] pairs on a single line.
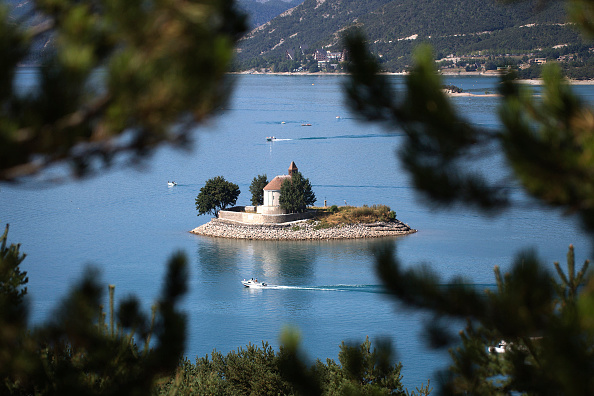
[[216, 257], [290, 263], [328, 289]]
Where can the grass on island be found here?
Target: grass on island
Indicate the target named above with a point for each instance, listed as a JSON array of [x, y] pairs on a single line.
[[338, 215]]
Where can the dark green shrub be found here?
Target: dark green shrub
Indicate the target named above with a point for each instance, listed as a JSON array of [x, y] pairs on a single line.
[[392, 215]]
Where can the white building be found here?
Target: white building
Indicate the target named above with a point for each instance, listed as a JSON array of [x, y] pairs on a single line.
[[272, 193]]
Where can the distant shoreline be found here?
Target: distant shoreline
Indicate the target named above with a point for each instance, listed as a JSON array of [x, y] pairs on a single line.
[[535, 81]]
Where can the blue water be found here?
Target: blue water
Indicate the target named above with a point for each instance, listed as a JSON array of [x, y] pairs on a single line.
[[127, 222]]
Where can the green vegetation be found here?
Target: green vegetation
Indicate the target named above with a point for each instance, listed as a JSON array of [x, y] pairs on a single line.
[[217, 194], [322, 225], [77, 352], [547, 142], [452, 88], [147, 94], [335, 215], [466, 35], [296, 194], [12, 279], [162, 67], [257, 189], [159, 69], [254, 370], [120, 79]]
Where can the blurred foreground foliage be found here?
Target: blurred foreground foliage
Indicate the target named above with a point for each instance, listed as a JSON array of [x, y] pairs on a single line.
[[160, 66], [545, 144], [546, 324], [118, 77], [362, 370], [76, 352]]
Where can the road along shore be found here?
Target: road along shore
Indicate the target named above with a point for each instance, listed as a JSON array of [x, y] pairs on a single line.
[[301, 230]]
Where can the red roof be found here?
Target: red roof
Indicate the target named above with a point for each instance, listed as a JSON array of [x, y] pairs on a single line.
[[276, 183]]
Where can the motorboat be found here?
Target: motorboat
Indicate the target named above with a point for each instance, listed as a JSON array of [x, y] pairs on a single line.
[[171, 184], [270, 138], [253, 283], [500, 348]]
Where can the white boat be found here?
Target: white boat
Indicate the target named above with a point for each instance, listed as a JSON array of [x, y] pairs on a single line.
[[171, 184], [253, 283], [500, 348], [270, 138]]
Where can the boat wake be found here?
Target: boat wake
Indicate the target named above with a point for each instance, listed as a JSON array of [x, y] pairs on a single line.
[[332, 288], [376, 289], [366, 136]]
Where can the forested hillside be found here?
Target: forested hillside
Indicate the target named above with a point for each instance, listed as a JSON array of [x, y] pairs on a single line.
[[394, 28], [466, 35]]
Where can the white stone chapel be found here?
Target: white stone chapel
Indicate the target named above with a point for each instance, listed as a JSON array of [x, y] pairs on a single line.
[[272, 193]]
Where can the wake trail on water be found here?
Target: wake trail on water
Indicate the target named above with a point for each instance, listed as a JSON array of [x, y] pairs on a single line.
[[331, 288], [371, 135], [377, 289]]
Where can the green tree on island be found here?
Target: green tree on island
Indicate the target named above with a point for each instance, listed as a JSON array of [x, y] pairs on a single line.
[[257, 189], [217, 194], [296, 194]]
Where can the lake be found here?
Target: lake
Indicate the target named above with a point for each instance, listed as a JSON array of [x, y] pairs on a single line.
[[127, 222]]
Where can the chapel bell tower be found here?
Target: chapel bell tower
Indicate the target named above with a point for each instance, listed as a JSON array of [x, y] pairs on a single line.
[[292, 168]]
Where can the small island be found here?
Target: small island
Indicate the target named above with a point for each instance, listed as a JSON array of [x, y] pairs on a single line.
[[270, 221], [321, 226]]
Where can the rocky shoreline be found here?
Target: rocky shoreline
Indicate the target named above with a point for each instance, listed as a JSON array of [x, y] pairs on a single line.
[[301, 230]]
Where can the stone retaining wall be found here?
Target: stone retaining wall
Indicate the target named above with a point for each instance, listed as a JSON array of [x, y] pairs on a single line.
[[238, 214], [302, 230]]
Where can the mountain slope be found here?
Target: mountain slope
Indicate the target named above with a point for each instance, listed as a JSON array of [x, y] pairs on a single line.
[[395, 28], [311, 23]]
